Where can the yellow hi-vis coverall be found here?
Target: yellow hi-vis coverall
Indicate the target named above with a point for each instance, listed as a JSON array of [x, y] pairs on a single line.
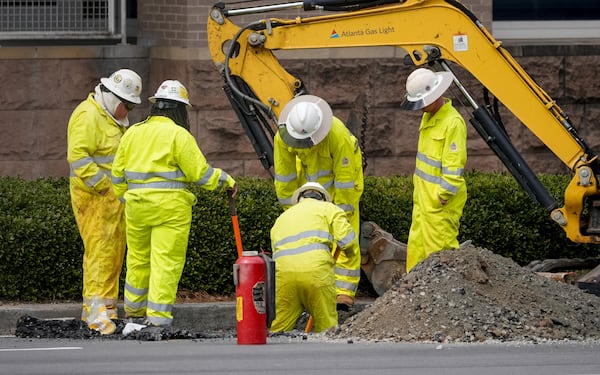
[[155, 162], [440, 162], [93, 138], [302, 239], [335, 163]]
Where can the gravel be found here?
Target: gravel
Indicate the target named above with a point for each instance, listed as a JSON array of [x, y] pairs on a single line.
[[474, 295]]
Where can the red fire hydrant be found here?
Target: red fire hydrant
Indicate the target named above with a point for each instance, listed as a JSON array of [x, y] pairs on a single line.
[[254, 279]]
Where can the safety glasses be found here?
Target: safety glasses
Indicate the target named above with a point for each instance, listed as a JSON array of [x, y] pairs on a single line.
[[128, 105]]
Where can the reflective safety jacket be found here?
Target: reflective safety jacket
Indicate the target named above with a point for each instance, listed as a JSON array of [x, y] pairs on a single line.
[[93, 138], [304, 236], [440, 162], [166, 156], [335, 163]]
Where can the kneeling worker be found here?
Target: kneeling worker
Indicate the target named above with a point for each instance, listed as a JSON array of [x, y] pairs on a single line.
[[303, 241]]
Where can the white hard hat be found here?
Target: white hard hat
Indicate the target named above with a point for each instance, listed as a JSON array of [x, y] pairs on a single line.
[[311, 186], [305, 121], [172, 90], [424, 87], [126, 84]]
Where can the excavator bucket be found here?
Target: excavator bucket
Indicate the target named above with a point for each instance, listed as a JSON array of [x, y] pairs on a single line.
[[383, 257]]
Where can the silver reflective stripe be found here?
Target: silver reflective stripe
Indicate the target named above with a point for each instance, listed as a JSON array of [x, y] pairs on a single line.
[[307, 234], [457, 172], [344, 185], [346, 285], [103, 159], [156, 321], [204, 179], [301, 249], [285, 201], [135, 305], [223, 178], [320, 173], [118, 180], [436, 180], [82, 162], [158, 185], [346, 207], [136, 291], [171, 175], [162, 307], [286, 178], [346, 240], [94, 179], [429, 161], [447, 186], [346, 272]]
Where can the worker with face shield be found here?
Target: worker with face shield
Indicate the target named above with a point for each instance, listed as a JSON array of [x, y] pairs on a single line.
[[312, 145], [94, 131], [155, 162], [440, 190]]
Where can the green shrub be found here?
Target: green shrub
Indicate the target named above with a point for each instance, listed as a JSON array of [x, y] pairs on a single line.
[[41, 253]]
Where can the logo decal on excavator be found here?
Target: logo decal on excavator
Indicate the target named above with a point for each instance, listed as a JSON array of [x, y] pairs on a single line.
[[334, 34]]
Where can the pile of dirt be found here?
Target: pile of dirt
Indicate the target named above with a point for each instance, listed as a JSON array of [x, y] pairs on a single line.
[[474, 295]]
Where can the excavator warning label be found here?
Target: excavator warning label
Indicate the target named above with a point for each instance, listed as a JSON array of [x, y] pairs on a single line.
[[461, 43]]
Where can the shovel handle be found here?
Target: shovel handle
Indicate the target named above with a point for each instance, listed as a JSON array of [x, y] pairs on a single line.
[[236, 226]]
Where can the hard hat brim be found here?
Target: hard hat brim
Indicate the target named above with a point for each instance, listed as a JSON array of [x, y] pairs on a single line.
[[110, 86], [413, 104], [153, 99], [310, 186], [293, 139]]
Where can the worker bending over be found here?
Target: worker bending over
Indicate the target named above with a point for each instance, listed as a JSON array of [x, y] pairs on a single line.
[[312, 145], [304, 239]]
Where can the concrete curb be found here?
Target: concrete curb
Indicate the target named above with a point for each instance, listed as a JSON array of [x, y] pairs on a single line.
[[193, 317], [197, 317]]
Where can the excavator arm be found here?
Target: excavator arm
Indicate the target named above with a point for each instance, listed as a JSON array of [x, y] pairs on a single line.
[[429, 32]]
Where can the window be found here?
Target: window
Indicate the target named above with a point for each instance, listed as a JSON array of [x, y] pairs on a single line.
[[546, 19]]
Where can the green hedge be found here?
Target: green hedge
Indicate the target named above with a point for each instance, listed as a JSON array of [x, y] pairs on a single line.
[[41, 252]]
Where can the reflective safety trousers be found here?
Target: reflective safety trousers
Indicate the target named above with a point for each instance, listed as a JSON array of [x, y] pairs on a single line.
[[154, 163], [335, 163], [440, 162], [302, 240], [92, 139]]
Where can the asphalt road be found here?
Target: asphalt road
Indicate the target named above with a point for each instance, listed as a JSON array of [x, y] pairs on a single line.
[[290, 356]]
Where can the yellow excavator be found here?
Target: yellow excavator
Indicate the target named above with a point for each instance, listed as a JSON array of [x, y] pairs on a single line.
[[431, 32]]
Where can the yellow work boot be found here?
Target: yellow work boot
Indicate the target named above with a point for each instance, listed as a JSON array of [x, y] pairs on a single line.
[[344, 302]]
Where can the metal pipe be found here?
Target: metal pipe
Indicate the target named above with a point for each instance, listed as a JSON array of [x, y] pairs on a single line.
[[123, 22], [263, 9]]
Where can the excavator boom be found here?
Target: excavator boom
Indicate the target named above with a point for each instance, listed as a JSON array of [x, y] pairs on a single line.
[[441, 32]]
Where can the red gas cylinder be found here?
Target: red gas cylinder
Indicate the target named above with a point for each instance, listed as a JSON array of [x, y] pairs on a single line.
[[249, 277]]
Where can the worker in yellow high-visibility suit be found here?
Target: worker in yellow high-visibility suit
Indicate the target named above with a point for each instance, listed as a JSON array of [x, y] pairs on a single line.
[[155, 162], [440, 191], [304, 239], [312, 145], [94, 132]]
